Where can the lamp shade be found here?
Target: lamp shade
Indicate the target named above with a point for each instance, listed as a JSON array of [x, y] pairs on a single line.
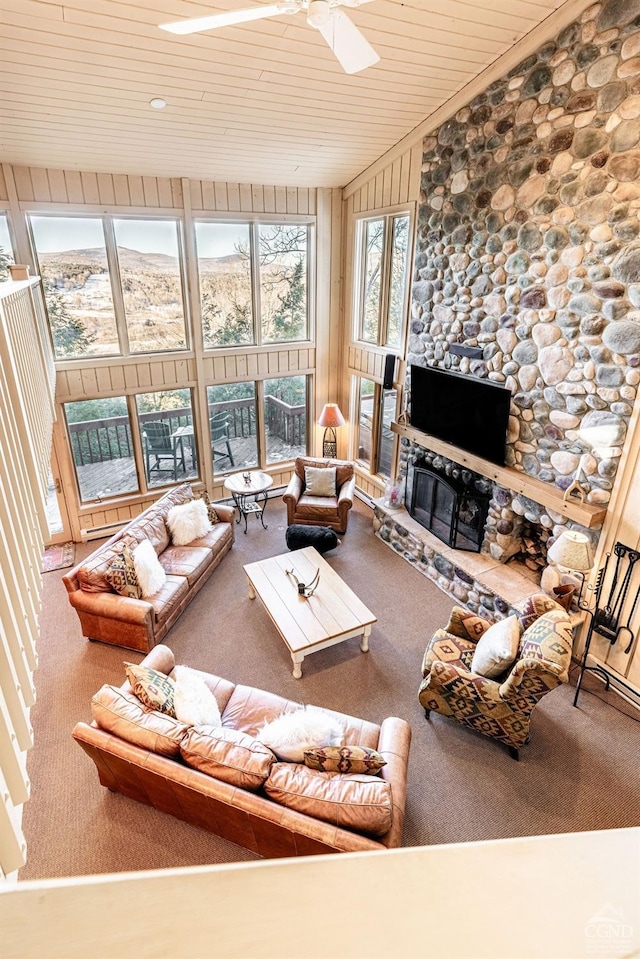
[[572, 550], [331, 416]]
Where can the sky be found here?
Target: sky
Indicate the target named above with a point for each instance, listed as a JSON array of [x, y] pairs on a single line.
[[55, 234]]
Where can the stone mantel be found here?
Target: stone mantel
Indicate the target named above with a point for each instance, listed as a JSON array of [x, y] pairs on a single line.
[[586, 514]]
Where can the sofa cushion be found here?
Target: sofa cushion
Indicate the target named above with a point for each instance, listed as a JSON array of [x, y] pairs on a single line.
[[153, 689], [216, 539], [248, 709], [358, 802], [171, 595], [121, 574], [344, 759], [189, 561], [152, 526], [122, 713], [320, 506], [226, 754]]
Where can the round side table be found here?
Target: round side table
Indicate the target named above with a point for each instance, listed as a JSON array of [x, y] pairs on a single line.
[[249, 491]]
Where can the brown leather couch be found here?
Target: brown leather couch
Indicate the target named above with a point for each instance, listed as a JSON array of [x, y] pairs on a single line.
[[139, 623], [330, 511], [250, 819]]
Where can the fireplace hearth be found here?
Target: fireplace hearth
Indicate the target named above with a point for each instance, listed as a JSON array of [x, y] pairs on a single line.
[[451, 509]]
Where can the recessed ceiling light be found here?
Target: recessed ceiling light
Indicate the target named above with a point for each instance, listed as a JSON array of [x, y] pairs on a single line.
[[158, 103]]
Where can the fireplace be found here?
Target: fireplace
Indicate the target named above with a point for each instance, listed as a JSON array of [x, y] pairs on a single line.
[[451, 509]]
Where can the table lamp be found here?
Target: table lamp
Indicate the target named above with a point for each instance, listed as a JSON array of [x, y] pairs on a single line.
[[330, 418], [572, 552]]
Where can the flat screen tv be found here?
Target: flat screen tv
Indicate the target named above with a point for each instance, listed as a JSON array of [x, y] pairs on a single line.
[[460, 409]]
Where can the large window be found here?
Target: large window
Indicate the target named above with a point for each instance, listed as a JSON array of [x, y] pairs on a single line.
[[149, 261], [169, 447], [6, 250], [375, 443], [233, 426], [100, 436], [254, 282], [112, 286], [382, 279]]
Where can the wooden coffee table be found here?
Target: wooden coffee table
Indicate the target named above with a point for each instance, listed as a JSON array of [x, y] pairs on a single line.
[[332, 614]]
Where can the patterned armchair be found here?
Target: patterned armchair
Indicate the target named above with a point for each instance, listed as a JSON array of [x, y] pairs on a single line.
[[498, 708]]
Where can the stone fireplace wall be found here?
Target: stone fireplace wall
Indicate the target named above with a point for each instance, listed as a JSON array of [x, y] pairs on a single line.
[[528, 246]]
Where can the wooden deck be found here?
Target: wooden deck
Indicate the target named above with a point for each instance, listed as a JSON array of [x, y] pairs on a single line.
[[118, 476]]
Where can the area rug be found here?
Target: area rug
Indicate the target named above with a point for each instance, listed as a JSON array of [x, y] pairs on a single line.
[[58, 557]]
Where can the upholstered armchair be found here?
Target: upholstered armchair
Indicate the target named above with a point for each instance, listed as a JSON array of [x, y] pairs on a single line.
[[311, 510], [499, 708]]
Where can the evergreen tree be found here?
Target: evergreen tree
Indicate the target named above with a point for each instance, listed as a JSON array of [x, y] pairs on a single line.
[[70, 335], [236, 329], [290, 315], [5, 260]]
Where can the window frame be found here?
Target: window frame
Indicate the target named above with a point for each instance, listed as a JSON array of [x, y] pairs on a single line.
[[254, 221], [373, 467], [388, 215], [115, 279]]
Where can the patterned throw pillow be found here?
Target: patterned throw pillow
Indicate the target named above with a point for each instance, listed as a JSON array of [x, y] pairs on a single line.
[[344, 759], [153, 689], [121, 574], [463, 623], [536, 606], [213, 516]]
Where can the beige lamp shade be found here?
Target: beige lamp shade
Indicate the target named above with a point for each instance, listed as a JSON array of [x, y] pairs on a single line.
[[572, 550], [331, 416]]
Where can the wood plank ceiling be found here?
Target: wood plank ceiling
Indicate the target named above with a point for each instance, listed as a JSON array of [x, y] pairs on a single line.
[[265, 102]]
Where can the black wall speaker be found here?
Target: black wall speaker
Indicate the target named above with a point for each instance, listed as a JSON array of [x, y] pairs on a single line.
[[389, 368]]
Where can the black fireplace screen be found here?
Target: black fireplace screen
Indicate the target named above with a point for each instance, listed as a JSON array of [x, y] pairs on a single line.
[[453, 512]]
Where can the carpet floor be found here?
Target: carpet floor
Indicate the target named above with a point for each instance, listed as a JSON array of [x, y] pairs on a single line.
[[578, 773]]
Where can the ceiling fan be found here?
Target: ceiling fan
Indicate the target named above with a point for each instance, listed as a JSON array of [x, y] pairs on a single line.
[[354, 52]]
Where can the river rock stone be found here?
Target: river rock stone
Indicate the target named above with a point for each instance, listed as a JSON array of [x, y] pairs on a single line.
[[626, 266], [622, 337], [554, 363]]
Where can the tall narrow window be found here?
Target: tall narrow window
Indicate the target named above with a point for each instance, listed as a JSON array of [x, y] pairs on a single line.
[[397, 280], [6, 250], [283, 282], [232, 421], [386, 444], [381, 283], [168, 438], [224, 264], [365, 402], [373, 247], [285, 413], [72, 261], [100, 435], [149, 262]]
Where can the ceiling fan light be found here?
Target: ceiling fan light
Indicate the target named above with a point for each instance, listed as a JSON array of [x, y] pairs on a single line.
[[318, 13]]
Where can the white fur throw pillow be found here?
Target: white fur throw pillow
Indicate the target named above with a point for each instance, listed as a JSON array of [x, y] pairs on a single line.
[[290, 734], [193, 701], [151, 575], [188, 521], [496, 650]]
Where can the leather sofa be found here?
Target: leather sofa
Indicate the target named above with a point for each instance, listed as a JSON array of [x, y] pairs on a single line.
[[249, 818], [138, 623], [330, 511]]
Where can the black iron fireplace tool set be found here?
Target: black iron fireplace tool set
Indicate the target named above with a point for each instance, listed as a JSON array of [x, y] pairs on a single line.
[[612, 615]]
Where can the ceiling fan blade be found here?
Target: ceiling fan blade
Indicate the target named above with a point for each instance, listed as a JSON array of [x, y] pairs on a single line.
[[354, 52], [224, 19]]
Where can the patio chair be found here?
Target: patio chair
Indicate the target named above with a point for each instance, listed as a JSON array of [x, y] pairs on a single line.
[[159, 445], [219, 424]]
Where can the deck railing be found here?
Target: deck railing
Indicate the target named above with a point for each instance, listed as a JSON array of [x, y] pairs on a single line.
[[98, 441]]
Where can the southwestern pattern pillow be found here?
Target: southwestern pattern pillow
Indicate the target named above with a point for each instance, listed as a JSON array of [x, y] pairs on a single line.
[[213, 516], [121, 574], [536, 606], [153, 689], [344, 759]]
